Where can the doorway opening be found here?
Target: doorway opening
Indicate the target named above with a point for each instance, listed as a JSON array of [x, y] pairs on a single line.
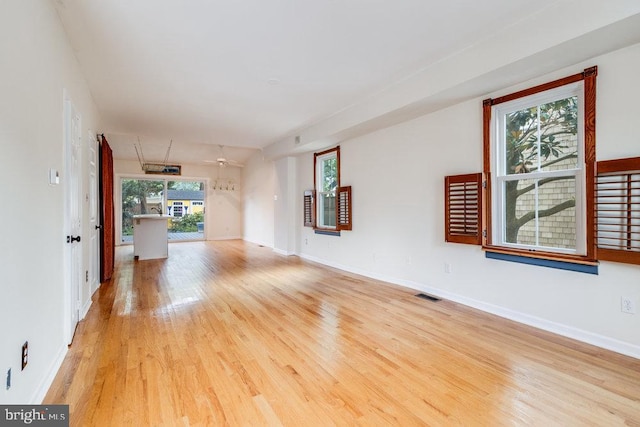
[[181, 201]]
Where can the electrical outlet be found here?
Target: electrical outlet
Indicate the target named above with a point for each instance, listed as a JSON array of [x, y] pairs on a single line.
[[447, 268], [627, 305]]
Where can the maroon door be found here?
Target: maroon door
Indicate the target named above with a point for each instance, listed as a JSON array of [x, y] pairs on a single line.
[[107, 233]]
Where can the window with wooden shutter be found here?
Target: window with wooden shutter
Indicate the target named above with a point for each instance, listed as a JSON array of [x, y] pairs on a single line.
[[331, 202], [463, 208], [344, 208], [309, 208], [617, 201], [539, 155]]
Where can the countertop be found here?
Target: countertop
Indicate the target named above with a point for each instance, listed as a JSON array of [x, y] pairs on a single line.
[[152, 216]]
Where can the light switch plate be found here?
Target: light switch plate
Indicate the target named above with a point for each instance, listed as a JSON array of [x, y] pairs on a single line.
[[54, 177]]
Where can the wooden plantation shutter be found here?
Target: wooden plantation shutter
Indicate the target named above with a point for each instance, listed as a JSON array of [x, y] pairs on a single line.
[[617, 202], [309, 208], [344, 208], [463, 208]]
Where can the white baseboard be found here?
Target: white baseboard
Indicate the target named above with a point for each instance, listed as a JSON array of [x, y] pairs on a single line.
[[258, 242], [226, 238], [281, 252], [85, 308], [42, 389], [267, 245], [597, 340]]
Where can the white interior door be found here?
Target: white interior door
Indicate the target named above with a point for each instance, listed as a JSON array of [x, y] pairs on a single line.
[[73, 216], [94, 225]]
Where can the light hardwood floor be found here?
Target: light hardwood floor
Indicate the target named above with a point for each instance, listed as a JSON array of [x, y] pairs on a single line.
[[229, 333]]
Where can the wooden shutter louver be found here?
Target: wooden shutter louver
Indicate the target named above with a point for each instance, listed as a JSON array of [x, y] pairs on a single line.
[[309, 208], [463, 208], [617, 201], [344, 208]]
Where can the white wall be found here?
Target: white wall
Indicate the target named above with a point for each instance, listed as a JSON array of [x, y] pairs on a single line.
[[223, 218], [259, 179], [37, 64], [397, 175], [285, 197]]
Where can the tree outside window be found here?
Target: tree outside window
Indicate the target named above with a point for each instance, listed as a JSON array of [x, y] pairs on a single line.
[[541, 157]]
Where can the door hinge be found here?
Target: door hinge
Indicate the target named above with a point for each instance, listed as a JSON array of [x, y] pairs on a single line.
[[484, 184], [484, 233]]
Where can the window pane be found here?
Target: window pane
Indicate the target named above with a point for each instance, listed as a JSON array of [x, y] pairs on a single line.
[[542, 138], [328, 209], [540, 212], [516, 207], [139, 196], [558, 230], [185, 204], [521, 139], [329, 174], [559, 134]]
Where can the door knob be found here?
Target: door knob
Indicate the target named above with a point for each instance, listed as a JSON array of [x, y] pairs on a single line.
[[71, 239]]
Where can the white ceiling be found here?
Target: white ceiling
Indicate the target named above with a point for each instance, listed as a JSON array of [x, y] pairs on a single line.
[[248, 73]]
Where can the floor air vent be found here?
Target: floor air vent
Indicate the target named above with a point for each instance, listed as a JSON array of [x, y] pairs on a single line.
[[428, 297]]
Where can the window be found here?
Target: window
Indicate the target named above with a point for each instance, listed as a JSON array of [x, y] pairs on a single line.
[[177, 209], [327, 182], [170, 196], [328, 207], [539, 154]]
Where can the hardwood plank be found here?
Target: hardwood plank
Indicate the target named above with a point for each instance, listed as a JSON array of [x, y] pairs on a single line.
[[229, 333]]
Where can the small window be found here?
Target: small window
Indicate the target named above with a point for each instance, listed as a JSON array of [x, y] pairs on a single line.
[[328, 208], [327, 171], [177, 210], [197, 203]]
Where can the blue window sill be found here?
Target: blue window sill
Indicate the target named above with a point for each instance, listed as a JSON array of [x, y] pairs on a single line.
[[327, 232], [561, 265]]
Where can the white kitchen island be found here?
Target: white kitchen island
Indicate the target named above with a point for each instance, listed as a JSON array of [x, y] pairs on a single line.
[[150, 236]]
